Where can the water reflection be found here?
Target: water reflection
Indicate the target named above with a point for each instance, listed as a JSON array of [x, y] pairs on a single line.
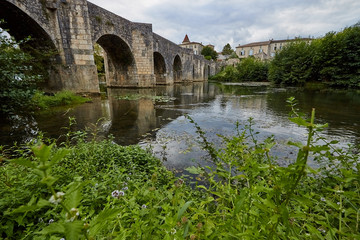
[[156, 117]]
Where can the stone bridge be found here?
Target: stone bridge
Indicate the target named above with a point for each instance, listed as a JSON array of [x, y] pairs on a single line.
[[134, 55]]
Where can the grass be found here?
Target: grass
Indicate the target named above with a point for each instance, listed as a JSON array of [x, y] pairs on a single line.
[[64, 98]]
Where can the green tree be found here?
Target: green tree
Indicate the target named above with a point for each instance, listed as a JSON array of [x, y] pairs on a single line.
[[17, 76], [252, 69], [209, 52], [293, 65], [227, 50]]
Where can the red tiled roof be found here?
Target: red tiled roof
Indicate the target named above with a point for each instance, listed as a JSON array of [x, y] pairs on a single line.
[[186, 39]]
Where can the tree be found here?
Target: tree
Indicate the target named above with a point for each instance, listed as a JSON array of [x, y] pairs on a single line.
[[227, 50], [17, 77], [208, 51]]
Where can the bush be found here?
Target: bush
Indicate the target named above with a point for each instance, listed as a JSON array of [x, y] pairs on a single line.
[[63, 98], [249, 69], [18, 81], [99, 190]]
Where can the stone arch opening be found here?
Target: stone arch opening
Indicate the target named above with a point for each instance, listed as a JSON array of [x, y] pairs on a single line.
[[120, 66], [177, 69], [159, 68], [40, 44]]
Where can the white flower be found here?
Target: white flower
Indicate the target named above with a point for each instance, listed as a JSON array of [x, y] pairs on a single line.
[[51, 221], [74, 213], [117, 193], [57, 198], [143, 206], [125, 188], [173, 231], [323, 199]]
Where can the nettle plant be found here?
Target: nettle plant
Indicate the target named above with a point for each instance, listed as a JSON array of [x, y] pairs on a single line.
[[253, 197]]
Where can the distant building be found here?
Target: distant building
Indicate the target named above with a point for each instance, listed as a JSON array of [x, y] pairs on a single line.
[[265, 50], [195, 46]]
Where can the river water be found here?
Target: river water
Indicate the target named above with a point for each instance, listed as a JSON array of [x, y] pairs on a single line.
[[155, 117]]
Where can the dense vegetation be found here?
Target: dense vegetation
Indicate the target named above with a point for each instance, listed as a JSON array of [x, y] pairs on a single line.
[[99, 190], [209, 53], [333, 60], [249, 69], [17, 77], [22, 70]]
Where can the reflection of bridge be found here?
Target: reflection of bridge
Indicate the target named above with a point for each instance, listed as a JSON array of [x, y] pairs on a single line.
[[135, 56]]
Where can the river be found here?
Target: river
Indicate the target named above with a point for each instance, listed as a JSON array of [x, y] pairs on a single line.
[[155, 117]]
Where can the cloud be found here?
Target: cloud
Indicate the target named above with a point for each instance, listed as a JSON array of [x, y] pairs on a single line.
[[238, 21]]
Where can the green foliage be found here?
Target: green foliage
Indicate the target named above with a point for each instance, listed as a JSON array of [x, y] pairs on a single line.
[[333, 60], [293, 65], [100, 190], [249, 69], [99, 59], [227, 50], [18, 82], [22, 67], [63, 98], [252, 69], [208, 51]]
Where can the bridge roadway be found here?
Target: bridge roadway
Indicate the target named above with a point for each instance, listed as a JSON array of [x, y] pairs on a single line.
[[134, 55]]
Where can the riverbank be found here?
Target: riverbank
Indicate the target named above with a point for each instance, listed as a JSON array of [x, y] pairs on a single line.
[[79, 190]]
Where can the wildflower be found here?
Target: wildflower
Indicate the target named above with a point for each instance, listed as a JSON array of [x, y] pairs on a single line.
[[338, 203], [127, 178], [41, 220], [117, 193], [125, 188], [323, 199], [125, 184], [57, 198], [62, 238], [74, 213], [173, 231], [143, 206], [51, 221]]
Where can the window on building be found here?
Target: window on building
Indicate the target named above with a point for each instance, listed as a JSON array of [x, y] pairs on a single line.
[[251, 52], [242, 53]]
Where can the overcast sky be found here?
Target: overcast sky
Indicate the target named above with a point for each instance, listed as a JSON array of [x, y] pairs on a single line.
[[237, 21]]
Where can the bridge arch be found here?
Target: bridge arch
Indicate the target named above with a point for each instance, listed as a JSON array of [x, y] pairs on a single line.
[[21, 24], [159, 68], [119, 61], [177, 69]]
